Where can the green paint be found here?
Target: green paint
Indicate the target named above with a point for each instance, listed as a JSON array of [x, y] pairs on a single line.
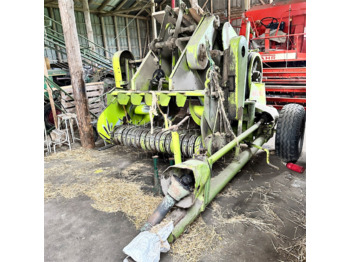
[[196, 113], [113, 114], [180, 99], [176, 147], [164, 99], [136, 99], [148, 99], [123, 99]]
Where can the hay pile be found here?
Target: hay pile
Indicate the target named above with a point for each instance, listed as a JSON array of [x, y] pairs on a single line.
[[199, 239], [110, 195], [67, 177]]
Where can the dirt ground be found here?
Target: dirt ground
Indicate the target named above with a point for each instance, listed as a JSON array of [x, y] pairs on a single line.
[[95, 202]]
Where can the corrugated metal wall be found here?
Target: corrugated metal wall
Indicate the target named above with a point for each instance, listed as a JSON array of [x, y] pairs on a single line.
[[117, 38], [110, 34]]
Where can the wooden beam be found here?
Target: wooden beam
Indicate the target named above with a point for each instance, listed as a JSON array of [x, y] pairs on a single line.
[[122, 11], [262, 2], [119, 6], [154, 23], [229, 10], [246, 5], [136, 4], [88, 25], [105, 44], [76, 73], [205, 4], [49, 91], [100, 13], [105, 2], [139, 37], [116, 32], [211, 6], [160, 5]]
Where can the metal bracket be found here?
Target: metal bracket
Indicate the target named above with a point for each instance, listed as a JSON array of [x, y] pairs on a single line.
[[267, 156]]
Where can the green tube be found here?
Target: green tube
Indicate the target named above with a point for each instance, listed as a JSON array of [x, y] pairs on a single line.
[[215, 157], [217, 184], [225, 176], [142, 110], [176, 147]]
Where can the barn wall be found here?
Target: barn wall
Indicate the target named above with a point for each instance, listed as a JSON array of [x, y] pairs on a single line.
[[127, 38], [110, 34]]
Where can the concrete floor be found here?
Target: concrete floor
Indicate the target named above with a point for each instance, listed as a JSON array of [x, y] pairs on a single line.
[[75, 231]]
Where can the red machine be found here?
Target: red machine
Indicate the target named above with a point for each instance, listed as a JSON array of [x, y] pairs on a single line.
[[278, 32]]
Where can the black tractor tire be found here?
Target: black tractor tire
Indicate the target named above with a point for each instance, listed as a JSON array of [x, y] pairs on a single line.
[[290, 132]]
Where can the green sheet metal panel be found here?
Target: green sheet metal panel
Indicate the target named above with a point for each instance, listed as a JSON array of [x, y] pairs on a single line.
[[97, 30], [110, 34], [143, 34], [59, 29], [81, 28], [134, 38], [49, 51], [122, 37]]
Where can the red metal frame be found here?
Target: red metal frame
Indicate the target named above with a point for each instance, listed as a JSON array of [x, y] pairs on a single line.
[[283, 84]]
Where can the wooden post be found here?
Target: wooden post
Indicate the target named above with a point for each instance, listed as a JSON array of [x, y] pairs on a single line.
[[105, 44], [154, 22], [76, 72], [90, 33], [211, 6], [57, 48], [139, 37], [116, 31], [246, 5], [49, 91], [229, 11]]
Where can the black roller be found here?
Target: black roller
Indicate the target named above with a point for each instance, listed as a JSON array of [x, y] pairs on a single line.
[[159, 141]]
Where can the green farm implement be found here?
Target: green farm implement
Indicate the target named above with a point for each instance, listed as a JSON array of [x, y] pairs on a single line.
[[197, 95]]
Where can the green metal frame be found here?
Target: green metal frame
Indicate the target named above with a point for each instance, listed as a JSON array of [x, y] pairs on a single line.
[[246, 116]]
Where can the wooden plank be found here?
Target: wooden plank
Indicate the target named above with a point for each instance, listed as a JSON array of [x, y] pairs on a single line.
[[100, 13], [93, 94], [76, 72], [89, 87], [97, 110], [92, 103], [119, 5], [205, 4], [105, 2]]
